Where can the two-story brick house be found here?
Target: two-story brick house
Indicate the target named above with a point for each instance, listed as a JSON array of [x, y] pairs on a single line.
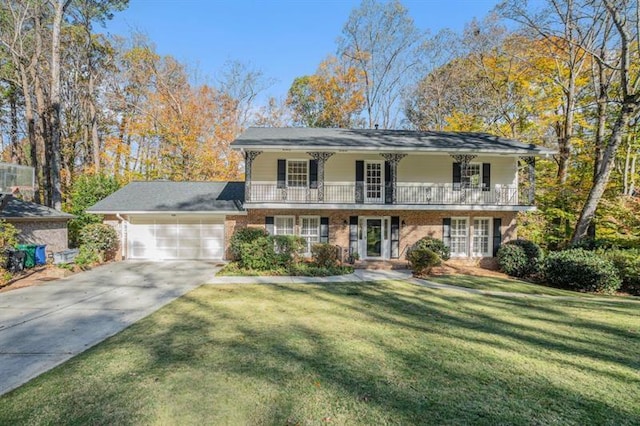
[[376, 192], [370, 192]]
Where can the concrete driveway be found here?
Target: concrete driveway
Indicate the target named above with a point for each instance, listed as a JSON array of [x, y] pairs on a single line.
[[43, 326]]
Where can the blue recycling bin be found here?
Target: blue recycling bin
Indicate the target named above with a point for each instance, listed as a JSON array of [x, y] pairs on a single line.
[[41, 255]]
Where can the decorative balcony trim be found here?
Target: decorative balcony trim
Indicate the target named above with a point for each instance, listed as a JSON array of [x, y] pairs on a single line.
[[249, 156], [390, 207]]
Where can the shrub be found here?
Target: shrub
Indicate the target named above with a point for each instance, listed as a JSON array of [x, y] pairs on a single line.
[[309, 270], [253, 248], [607, 243], [421, 260], [432, 244], [102, 237], [8, 237], [324, 255], [581, 270], [258, 254], [627, 263], [288, 249], [512, 260], [87, 255], [523, 261], [244, 235], [86, 191]]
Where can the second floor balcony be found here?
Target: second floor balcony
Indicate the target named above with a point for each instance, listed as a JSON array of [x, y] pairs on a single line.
[[403, 194]]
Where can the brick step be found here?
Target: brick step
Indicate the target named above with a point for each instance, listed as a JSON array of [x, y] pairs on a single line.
[[386, 265]]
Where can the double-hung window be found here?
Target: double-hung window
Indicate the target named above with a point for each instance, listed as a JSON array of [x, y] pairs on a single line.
[[472, 176], [459, 237], [297, 173], [310, 231], [481, 237], [283, 225]]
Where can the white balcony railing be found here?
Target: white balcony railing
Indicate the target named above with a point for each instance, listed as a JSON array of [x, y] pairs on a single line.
[[405, 193]]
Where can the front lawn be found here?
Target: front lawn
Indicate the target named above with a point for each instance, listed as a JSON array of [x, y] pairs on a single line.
[[509, 285], [361, 353]]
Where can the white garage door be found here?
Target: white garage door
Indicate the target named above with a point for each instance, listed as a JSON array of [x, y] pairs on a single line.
[[175, 237]]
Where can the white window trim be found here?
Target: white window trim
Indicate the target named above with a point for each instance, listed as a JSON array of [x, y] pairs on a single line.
[[489, 236], [480, 171], [275, 226], [469, 236], [300, 218], [286, 179], [382, 178]]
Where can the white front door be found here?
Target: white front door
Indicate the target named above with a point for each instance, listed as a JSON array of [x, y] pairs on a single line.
[[374, 178]]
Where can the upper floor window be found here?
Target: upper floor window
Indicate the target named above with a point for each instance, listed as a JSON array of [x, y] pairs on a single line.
[[472, 176], [297, 173]]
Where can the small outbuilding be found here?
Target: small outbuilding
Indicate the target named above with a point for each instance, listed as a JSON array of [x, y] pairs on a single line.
[[38, 224]]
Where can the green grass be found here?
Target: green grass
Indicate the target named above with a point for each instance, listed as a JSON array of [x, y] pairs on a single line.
[[301, 269], [361, 353], [508, 285]]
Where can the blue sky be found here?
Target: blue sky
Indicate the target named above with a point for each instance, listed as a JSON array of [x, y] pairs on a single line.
[[285, 39]]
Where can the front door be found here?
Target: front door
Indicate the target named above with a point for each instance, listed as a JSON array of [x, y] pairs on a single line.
[[373, 182], [374, 238]]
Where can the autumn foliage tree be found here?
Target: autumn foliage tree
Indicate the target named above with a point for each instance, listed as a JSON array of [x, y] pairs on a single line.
[[332, 97]]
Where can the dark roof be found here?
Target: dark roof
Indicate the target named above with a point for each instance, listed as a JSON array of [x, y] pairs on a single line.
[[304, 138], [26, 210], [165, 196]]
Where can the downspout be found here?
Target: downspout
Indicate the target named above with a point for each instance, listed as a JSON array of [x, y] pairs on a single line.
[[122, 236]]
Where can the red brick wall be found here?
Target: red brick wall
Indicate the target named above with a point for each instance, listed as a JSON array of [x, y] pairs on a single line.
[[418, 224]]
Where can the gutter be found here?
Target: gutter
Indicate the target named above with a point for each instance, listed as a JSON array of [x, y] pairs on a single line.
[[171, 212]]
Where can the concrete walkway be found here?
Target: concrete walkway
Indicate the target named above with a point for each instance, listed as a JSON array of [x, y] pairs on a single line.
[[43, 326]]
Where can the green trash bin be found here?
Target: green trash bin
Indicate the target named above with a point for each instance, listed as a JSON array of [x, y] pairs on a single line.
[[30, 254]]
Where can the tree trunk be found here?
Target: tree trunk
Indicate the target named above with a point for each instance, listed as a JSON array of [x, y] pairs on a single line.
[[31, 130], [93, 118], [629, 110], [13, 130], [56, 189]]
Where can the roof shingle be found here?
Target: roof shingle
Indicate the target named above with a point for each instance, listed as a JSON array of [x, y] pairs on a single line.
[[166, 196], [379, 140]]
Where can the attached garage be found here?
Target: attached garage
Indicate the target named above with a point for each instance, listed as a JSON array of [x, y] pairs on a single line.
[[175, 237], [162, 220]]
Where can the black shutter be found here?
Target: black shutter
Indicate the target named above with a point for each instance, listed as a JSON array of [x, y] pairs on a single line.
[[268, 224], [359, 181], [353, 234], [324, 229], [282, 173], [497, 235], [446, 231], [486, 176], [388, 187], [457, 176], [313, 174], [395, 237]]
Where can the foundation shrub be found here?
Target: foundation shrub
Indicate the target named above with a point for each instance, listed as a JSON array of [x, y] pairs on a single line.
[[520, 258], [324, 255], [432, 244], [422, 260]]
